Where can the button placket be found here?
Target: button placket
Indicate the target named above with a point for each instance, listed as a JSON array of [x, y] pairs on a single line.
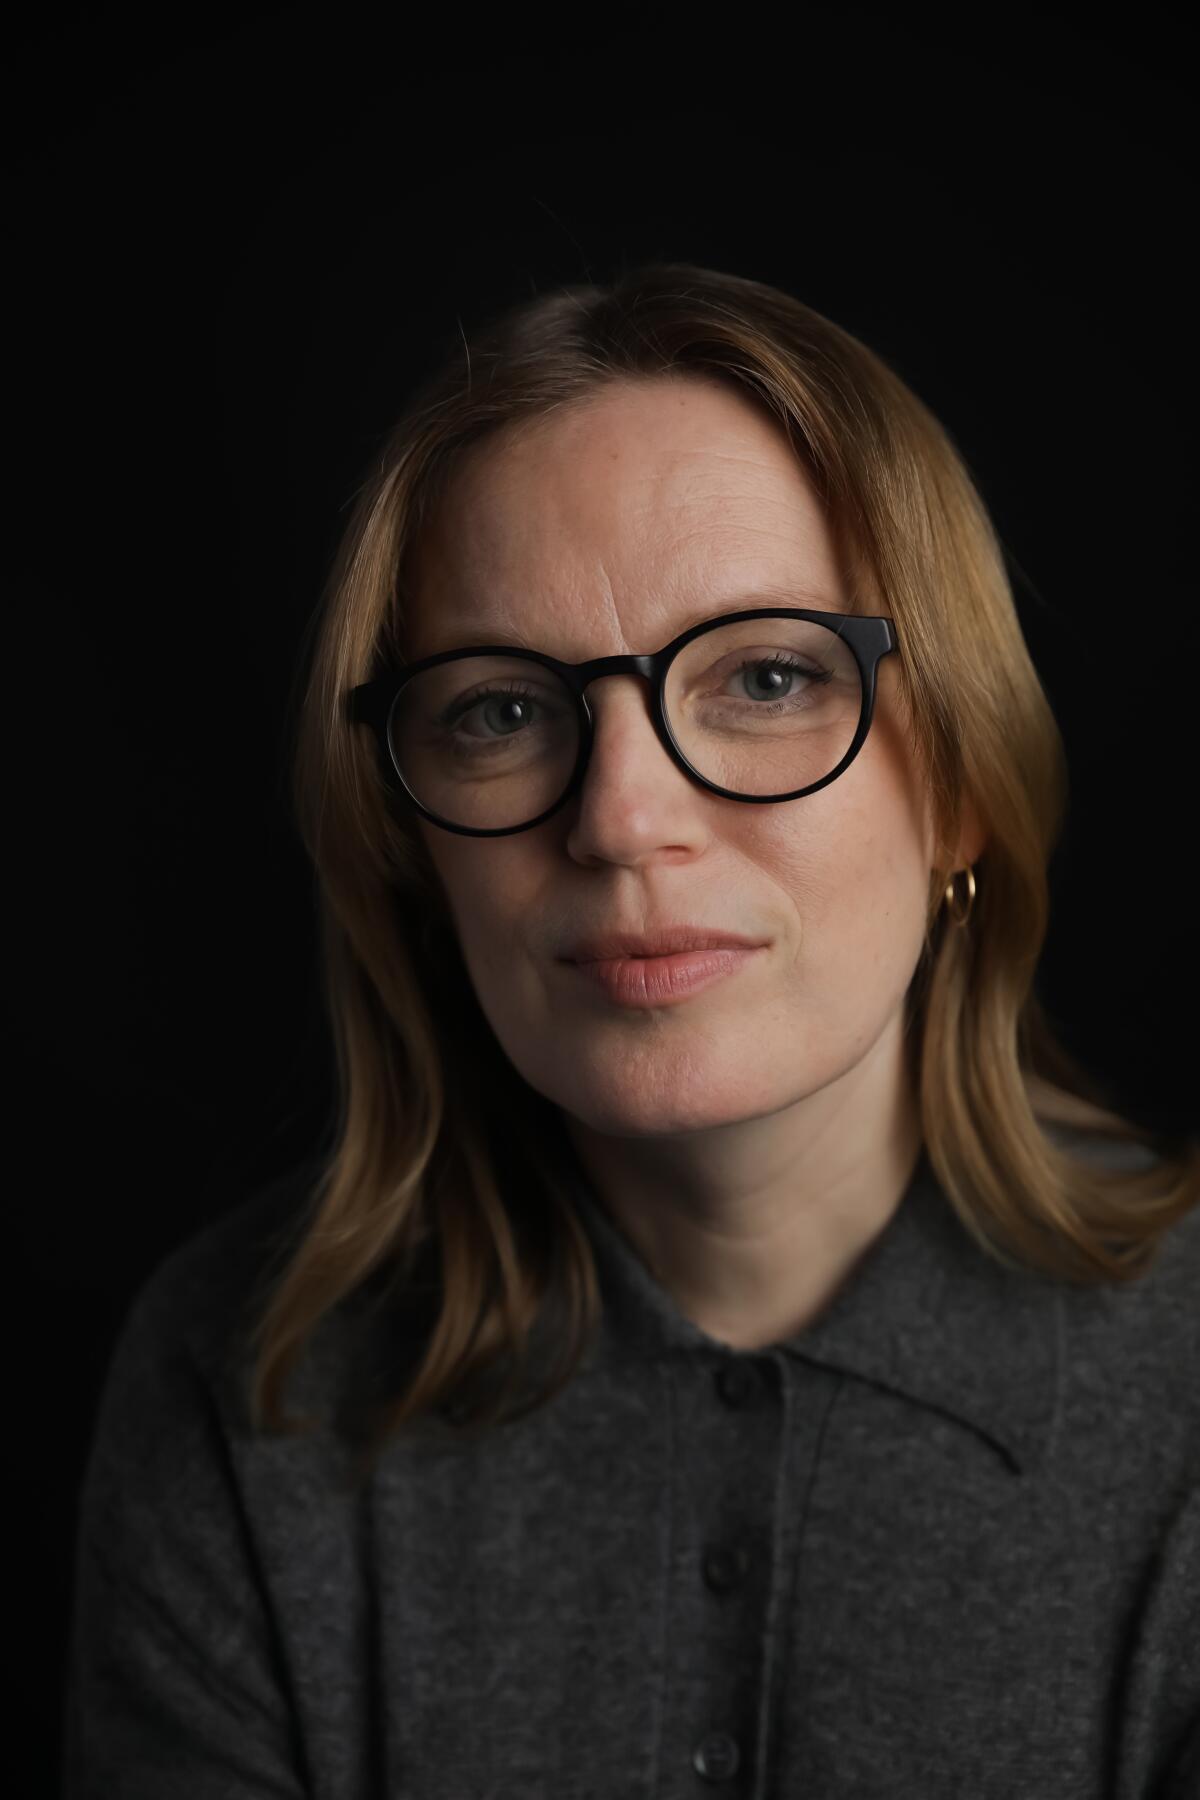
[[717, 1758]]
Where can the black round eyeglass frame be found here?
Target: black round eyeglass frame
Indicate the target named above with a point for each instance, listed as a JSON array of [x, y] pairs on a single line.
[[371, 703]]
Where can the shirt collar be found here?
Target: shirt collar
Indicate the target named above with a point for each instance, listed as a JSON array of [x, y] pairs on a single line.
[[926, 1314]]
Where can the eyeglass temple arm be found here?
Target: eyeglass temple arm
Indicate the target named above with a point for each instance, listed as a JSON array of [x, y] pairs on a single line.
[[368, 703]]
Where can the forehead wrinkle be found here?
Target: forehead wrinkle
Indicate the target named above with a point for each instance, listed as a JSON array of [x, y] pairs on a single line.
[[502, 630]]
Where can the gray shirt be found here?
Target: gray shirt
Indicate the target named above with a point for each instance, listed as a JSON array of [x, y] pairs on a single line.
[[943, 1543]]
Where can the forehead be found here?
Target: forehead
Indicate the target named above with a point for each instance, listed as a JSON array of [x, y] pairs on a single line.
[[646, 509]]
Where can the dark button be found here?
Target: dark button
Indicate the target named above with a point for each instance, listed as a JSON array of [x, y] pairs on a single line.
[[724, 1568], [716, 1757], [738, 1383]]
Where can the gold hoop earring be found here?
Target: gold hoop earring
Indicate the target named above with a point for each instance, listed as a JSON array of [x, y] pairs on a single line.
[[960, 918]]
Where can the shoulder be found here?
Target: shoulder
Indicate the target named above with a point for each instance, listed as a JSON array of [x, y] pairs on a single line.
[[183, 1332], [1167, 1288], [200, 1290], [157, 1467], [1135, 1343]]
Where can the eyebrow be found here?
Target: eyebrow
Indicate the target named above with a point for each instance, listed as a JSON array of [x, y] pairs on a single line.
[[771, 595]]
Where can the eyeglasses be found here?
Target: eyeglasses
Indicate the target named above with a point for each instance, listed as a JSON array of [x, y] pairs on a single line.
[[759, 747]]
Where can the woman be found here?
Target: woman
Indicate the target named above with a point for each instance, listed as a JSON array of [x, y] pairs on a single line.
[[736, 1346]]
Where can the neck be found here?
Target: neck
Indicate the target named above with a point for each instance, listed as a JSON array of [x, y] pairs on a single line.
[[753, 1226]]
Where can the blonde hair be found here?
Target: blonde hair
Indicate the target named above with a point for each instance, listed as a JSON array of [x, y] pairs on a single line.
[[442, 1191]]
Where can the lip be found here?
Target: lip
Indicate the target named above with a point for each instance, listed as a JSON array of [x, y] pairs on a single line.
[[665, 980], [668, 940]]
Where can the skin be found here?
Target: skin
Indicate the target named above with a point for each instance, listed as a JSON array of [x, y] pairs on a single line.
[[754, 1140]]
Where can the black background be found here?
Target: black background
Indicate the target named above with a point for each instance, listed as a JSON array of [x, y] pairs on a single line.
[[233, 237]]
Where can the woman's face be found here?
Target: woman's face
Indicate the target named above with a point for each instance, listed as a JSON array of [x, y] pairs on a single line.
[[608, 529]]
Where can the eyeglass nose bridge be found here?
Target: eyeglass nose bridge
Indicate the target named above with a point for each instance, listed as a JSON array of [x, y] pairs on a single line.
[[653, 669], [580, 676], [649, 666]]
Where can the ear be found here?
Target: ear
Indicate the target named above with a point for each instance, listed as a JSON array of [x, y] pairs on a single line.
[[972, 838]]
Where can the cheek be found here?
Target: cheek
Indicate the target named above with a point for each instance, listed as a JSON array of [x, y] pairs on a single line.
[[850, 880], [493, 891], [876, 916], [481, 881]]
